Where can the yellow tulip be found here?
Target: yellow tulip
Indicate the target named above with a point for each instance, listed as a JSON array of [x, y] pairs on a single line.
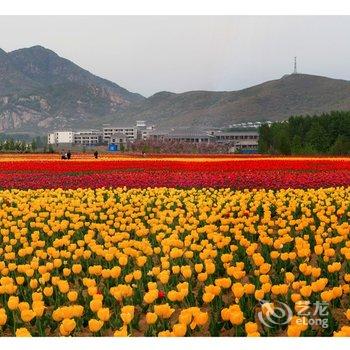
[[72, 296], [95, 305], [122, 332], [3, 317], [293, 331], [151, 317], [126, 317], [251, 327], [27, 315], [22, 332], [103, 314], [201, 318], [68, 325], [95, 325], [13, 302], [236, 317], [179, 330], [185, 317], [48, 291], [76, 268], [208, 297]]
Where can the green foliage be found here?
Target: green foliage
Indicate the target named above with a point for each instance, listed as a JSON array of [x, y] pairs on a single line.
[[9, 144], [341, 146], [324, 134], [264, 140], [297, 145], [34, 145], [318, 138]]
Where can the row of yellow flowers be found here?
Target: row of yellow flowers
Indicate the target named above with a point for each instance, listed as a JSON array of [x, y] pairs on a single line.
[[171, 262]]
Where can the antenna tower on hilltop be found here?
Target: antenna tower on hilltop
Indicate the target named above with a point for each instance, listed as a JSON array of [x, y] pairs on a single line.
[[295, 66]]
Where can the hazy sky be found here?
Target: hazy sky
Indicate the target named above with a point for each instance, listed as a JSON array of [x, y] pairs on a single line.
[[147, 54]]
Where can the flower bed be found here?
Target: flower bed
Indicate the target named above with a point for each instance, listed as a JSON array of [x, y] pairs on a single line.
[[169, 262], [175, 172]]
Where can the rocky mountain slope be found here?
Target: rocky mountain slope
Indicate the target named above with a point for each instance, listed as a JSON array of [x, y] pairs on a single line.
[[295, 94], [40, 90]]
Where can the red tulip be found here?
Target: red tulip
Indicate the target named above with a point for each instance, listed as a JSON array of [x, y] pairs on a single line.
[[268, 173], [161, 294]]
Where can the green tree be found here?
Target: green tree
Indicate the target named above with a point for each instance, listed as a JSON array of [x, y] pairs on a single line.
[[297, 145], [318, 134], [264, 143], [284, 144], [34, 145], [341, 146], [317, 138], [10, 145], [309, 149]]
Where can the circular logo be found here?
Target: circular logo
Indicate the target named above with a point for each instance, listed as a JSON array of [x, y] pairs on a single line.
[[274, 314]]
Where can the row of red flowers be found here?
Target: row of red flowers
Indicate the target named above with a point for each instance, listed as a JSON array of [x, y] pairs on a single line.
[[229, 165], [240, 180]]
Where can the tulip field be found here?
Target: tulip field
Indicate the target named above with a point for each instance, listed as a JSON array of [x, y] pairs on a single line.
[[174, 246], [48, 171]]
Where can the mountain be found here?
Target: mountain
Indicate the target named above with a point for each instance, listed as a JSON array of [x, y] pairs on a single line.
[[12, 80], [40, 90], [295, 94]]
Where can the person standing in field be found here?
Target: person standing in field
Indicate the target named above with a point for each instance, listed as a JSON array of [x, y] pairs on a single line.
[[96, 154], [69, 155]]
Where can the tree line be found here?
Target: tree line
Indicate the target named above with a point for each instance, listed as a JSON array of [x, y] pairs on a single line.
[[37, 144], [328, 133]]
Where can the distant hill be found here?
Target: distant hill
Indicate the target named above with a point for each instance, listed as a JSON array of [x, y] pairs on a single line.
[[295, 94], [41, 91]]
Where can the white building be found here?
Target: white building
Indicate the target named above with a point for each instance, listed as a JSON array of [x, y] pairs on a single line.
[[235, 136], [242, 145], [141, 124], [60, 137], [51, 138], [143, 130], [192, 136], [129, 131], [88, 137]]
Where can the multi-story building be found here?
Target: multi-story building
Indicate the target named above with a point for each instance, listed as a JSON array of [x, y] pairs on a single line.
[[157, 134], [249, 125], [190, 136], [51, 138], [141, 124], [88, 138], [240, 140], [60, 137], [245, 145], [143, 130], [140, 131], [129, 131], [181, 135], [231, 136]]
